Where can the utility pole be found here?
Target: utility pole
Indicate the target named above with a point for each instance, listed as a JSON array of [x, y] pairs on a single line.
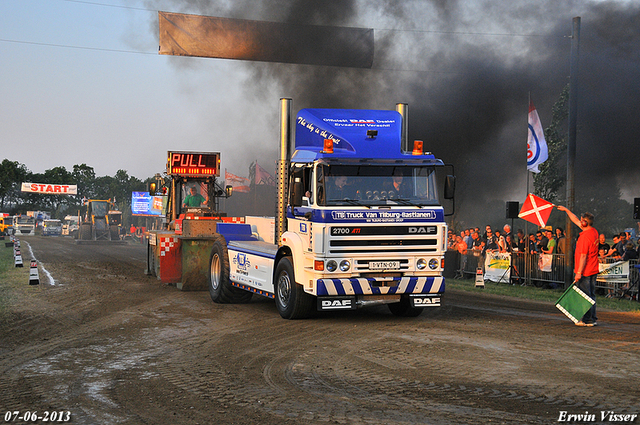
[[571, 144]]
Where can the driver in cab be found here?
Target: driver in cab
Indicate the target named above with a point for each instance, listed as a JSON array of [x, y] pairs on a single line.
[[193, 199]]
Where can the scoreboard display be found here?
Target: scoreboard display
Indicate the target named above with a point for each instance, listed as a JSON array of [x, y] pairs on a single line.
[[193, 164]]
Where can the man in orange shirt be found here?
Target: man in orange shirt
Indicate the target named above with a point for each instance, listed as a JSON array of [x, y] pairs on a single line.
[[586, 261]]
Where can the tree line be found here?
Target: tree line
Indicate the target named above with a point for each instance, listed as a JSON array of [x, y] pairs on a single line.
[[13, 201]]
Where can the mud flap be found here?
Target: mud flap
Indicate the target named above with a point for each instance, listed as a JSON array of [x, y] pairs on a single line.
[[425, 300], [336, 303]]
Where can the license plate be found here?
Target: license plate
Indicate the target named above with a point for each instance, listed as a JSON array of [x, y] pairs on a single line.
[[384, 265]]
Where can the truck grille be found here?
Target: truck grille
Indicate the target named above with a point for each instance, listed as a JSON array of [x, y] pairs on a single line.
[[400, 239]]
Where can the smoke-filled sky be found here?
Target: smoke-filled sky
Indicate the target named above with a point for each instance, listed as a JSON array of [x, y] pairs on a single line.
[[81, 82]]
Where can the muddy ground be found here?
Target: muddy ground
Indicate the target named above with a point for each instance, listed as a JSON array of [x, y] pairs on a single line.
[[111, 345]]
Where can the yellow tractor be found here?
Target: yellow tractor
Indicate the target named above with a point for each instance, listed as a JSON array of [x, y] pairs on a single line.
[[101, 222]]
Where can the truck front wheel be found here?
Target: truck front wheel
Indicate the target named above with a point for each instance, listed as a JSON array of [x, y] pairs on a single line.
[[220, 288], [291, 300]]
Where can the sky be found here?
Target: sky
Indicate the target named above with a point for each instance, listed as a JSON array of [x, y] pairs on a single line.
[[82, 82]]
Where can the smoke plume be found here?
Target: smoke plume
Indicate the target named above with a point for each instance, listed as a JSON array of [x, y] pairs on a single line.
[[466, 69]]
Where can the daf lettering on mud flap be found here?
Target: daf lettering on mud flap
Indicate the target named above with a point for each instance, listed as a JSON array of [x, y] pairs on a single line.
[[336, 303], [432, 300]]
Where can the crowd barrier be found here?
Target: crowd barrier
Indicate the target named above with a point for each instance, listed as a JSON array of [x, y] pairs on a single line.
[[616, 277], [619, 278]]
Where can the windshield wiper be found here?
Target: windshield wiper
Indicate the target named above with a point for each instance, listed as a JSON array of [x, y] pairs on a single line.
[[350, 202], [403, 201]]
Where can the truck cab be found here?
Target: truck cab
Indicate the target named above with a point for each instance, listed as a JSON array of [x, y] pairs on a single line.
[[24, 225]]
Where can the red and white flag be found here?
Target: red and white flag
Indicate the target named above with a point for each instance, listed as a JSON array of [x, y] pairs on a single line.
[[263, 177], [536, 210], [239, 184], [537, 151]]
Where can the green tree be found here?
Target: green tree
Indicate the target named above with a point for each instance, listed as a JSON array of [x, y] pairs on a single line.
[[551, 179], [85, 177], [12, 174]]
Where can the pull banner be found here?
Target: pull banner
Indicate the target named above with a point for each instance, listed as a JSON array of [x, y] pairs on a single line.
[[225, 38], [50, 189]]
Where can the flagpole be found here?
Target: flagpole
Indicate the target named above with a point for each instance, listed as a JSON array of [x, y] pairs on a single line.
[[526, 223]]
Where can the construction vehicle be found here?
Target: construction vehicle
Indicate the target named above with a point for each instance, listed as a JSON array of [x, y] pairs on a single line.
[[378, 239], [100, 223], [6, 224]]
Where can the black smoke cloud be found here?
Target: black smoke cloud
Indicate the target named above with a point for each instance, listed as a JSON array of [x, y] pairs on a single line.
[[466, 71]]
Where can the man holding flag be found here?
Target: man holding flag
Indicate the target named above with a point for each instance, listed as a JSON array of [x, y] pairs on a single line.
[[586, 261]]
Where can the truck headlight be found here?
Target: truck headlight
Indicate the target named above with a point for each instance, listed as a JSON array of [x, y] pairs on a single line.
[[433, 264], [345, 265], [332, 265], [421, 264]]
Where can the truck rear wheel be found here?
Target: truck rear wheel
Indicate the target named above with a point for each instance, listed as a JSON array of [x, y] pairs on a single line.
[[404, 309], [291, 300], [220, 288]]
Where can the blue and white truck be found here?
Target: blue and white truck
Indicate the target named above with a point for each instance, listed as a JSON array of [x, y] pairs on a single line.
[[359, 221]]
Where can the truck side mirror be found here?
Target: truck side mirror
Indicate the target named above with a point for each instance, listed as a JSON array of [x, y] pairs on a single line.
[[449, 187]]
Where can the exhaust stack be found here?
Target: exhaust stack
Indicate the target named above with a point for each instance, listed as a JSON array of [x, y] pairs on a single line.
[[403, 109], [282, 169]]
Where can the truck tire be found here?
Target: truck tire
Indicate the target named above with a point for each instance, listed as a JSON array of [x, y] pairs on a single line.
[[291, 300], [220, 288], [404, 309]]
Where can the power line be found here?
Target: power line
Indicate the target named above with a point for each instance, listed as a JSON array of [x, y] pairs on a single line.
[[34, 43], [419, 31], [93, 3]]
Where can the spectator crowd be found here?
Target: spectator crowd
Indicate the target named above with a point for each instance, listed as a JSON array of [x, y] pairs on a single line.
[[473, 241]]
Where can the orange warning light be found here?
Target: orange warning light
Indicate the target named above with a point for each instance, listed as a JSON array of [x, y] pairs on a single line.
[[328, 146], [417, 147]]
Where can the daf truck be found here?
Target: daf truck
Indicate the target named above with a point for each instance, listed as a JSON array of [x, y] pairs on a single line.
[[359, 222]]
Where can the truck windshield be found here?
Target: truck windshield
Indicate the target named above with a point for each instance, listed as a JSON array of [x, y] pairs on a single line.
[[26, 220], [377, 185]]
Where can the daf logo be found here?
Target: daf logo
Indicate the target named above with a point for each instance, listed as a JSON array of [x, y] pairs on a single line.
[[417, 230], [336, 303], [427, 300]]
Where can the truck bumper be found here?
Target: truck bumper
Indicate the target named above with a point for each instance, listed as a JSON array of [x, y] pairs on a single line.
[[371, 286]]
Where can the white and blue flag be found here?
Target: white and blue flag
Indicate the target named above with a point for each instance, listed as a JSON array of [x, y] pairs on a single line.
[[537, 151]]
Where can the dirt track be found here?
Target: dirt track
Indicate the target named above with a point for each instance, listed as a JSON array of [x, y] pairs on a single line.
[[111, 345]]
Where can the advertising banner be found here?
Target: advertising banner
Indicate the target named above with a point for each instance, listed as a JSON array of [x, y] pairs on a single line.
[[617, 272], [144, 204], [496, 267], [50, 189]]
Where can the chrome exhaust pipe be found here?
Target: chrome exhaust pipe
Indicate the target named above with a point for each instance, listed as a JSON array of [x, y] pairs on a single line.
[[282, 169]]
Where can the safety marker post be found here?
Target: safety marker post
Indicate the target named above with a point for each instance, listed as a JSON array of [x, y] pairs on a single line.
[[17, 258], [479, 278], [34, 278]]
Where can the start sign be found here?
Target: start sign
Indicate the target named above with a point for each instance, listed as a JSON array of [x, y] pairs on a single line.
[[193, 163], [50, 189]]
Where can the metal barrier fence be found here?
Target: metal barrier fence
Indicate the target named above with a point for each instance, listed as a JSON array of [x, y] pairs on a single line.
[[526, 269], [621, 282]]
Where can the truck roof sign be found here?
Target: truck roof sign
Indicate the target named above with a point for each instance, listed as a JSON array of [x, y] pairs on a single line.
[[193, 164], [356, 133]]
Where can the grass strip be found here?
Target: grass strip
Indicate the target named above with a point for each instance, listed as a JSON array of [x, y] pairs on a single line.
[[538, 294]]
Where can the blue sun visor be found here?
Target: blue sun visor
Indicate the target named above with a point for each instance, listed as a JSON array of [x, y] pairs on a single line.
[[355, 133]]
